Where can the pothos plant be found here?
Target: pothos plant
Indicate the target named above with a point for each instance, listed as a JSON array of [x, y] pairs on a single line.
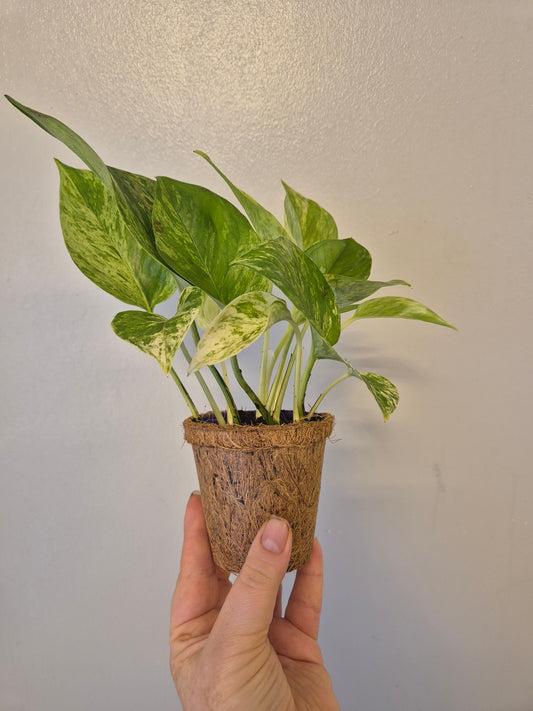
[[237, 275]]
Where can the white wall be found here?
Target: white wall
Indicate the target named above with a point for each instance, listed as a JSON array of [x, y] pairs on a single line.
[[411, 122]]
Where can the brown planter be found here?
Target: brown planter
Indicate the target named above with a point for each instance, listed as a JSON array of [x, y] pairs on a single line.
[[248, 472]]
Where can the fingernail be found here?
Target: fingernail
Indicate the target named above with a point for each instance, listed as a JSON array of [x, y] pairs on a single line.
[[194, 493], [275, 535]]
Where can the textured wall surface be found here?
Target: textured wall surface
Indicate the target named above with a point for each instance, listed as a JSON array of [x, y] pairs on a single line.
[[411, 122]]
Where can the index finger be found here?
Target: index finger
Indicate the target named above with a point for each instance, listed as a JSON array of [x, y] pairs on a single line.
[[197, 588]]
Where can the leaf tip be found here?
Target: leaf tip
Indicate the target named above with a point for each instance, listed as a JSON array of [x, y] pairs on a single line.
[[12, 101]]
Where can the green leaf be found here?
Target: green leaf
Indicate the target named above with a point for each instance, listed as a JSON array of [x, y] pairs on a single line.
[[133, 194], [101, 245], [264, 223], [208, 311], [63, 133], [238, 325], [199, 234], [156, 335], [135, 199], [283, 263], [307, 222], [398, 307], [344, 257], [384, 392], [349, 291]]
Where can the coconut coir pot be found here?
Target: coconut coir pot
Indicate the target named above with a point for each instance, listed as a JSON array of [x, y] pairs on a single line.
[[249, 472]]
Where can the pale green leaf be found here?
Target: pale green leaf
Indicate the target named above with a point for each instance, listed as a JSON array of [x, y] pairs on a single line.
[[130, 192], [264, 223], [199, 234], [283, 263], [384, 392], [306, 220], [156, 335], [343, 257], [349, 292], [208, 311], [239, 324], [135, 199], [100, 244], [398, 307]]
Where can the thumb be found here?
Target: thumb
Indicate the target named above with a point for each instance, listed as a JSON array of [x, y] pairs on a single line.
[[249, 606]]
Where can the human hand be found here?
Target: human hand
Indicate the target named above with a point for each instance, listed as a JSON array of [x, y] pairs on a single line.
[[230, 647]]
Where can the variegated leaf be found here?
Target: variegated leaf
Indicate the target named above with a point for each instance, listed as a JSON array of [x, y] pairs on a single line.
[[349, 291], [384, 392], [199, 234], [300, 280], [208, 311], [398, 307], [343, 257], [102, 247], [156, 335], [130, 193], [306, 221], [264, 223], [237, 326]]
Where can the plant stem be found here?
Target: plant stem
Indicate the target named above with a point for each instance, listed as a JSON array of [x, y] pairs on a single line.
[[232, 412], [296, 410], [224, 370], [348, 321], [325, 392], [248, 390], [263, 370], [282, 389], [276, 385], [305, 377], [195, 333], [287, 336], [186, 396], [205, 388]]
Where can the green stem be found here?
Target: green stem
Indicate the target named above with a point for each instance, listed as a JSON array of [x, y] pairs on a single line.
[[276, 385], [348, 321], [325, 392], [296, 410], [233, 413], [186, 396], [306, 376], [195, 333], [263, 369], [248, 390], [230, 417], [205, 388], [283, 388], [224, 370], [287, 336]]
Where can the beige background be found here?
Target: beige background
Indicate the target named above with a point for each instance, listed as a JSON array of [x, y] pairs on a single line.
[[411, 122]]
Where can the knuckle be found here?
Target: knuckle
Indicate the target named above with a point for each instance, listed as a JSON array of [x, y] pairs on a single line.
[[256, 577]]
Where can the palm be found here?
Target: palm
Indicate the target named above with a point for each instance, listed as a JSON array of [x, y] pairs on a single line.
[[282, 671]]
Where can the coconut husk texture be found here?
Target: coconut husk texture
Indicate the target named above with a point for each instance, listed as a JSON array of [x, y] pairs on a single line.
[[252, 471]]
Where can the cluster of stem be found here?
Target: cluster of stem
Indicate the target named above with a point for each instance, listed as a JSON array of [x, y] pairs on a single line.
[[275, 373]]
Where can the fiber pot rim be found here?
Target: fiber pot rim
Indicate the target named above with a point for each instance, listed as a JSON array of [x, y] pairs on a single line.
[[260, 436]]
